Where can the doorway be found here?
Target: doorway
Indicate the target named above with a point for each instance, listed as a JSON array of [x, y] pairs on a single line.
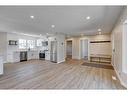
[[69, 49], [84, 49]]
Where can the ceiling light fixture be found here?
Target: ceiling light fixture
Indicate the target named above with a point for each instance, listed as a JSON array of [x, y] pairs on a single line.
[[53, 26], [88, 17], [32, 17]]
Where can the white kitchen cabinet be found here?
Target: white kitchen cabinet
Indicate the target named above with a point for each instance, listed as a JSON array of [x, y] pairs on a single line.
[[16, 57], [9, 57], [47, 55], [29, 55], [13, 57], [1, 65], [32, 55]]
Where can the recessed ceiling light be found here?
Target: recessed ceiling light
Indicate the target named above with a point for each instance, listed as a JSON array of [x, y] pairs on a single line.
[[53, 26], [99, 29], [32, 17], [88, 17]]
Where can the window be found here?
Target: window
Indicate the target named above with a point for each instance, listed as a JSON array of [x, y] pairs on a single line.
[[30, 43], [39, 42], [22, 44]]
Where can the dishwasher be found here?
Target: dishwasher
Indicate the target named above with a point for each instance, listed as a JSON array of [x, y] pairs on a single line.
[[23, 56]]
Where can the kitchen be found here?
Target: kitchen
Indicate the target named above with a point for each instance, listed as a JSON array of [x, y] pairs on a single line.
[[24, 47]]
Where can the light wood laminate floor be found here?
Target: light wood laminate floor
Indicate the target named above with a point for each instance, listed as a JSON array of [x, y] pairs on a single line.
[[38, 74]]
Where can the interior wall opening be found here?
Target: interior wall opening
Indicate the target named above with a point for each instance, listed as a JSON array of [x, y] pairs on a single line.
[[69, 49]]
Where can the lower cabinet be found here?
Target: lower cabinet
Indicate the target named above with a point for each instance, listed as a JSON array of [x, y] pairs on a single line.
[[47, 55], [13, 57], [16, 56], [32, 55]]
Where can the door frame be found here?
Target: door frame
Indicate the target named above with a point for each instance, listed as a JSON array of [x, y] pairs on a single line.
[[71, 47]]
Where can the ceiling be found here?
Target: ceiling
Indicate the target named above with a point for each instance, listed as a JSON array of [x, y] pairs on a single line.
[[69, 20]]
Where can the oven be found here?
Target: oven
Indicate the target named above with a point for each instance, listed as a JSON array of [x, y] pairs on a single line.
[[42, 55]]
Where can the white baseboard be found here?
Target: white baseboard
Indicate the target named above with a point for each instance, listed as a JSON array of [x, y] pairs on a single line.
[[119, 77], [61, 61]]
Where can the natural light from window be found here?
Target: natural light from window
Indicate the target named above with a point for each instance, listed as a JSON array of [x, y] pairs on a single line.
[[30, 44], [22, 44], [26, 44]]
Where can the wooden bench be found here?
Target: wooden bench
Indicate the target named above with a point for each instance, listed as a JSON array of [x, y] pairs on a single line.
[[100, 58]]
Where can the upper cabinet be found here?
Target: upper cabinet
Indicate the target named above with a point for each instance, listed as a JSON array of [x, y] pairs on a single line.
[[41, 42]]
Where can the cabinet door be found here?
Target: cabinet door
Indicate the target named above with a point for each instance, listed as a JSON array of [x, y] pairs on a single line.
[[35, 55], [10, 58], [47, 56], [16, 57], [29, 55]]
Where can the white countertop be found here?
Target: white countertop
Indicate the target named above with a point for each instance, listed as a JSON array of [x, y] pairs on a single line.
[[26, 51]]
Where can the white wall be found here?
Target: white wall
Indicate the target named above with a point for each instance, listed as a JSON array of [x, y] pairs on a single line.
[[76, 48], [60, 48], [3, 45], [119, 36], [100, 48]]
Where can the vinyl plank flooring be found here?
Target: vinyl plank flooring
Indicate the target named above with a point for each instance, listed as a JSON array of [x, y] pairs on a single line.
[[38, 74]]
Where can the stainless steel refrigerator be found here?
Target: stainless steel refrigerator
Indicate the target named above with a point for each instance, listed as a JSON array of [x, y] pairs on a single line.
[[53, 52]]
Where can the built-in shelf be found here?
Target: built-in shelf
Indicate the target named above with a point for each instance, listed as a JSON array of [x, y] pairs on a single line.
[[100, 41], [13, 42]]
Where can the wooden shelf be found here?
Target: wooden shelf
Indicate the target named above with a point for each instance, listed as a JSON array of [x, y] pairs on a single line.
[[13, 42], [100, 41]]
